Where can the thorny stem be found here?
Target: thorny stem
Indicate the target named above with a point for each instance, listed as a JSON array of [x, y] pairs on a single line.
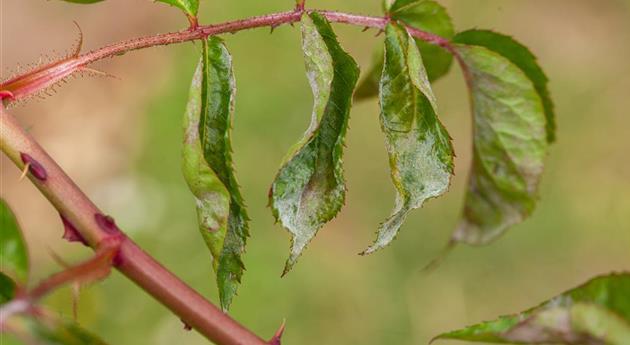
[[196, 32], [98, 230], [272, 20]]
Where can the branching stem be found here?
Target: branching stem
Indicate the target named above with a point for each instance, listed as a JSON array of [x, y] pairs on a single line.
[[98, 230], [196, 32], [269, 20]]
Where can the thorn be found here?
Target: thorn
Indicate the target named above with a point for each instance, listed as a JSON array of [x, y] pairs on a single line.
[[106, 223], [435, 263], [365, 29], [380, 31], [96, 72], [6, 94], [187, 327], [276, 340], [35, 168], [70, 232], [24, 171]]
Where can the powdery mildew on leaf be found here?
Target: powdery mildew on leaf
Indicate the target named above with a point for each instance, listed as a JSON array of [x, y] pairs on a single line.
[[597, 312], [419, 147], [426, 15], [509, 146], [309, 189], [207, 166]]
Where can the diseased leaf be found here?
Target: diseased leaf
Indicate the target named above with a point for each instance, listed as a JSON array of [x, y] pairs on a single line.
[[14, 263], [190, 7], [426, 15], [509, 146], [48, 329], [207, 166], [520, 56], [419, 147], [597, 312], [309, 189]]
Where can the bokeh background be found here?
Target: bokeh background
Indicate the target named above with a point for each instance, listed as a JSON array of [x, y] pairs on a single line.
[[120, 140]]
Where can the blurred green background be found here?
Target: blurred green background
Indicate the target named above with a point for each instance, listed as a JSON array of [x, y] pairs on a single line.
[[121, 138]]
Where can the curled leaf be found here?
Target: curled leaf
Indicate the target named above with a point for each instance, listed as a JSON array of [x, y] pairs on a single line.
[[520, 56], [419, 147], [309, 189], [597, 312], [207, 166], [509, 145], [426, 15]]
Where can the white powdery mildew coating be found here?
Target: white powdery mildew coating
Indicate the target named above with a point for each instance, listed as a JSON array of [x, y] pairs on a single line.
[[320, 73], [417, 156], [418, 171]]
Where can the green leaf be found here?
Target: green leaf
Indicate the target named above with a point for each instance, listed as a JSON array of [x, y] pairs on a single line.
[[14, 261], [190, 7], [596, 312], [509, 146], [48, 329], [83, 1], [387, 4], [520, 56], [207, 166], [425, 15], [419, 147], [309, 189], [7, 288]]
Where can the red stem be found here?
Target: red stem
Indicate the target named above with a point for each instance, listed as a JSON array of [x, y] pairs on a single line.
[[137, 265], [98, 230], [273, 20], [36, 82]]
